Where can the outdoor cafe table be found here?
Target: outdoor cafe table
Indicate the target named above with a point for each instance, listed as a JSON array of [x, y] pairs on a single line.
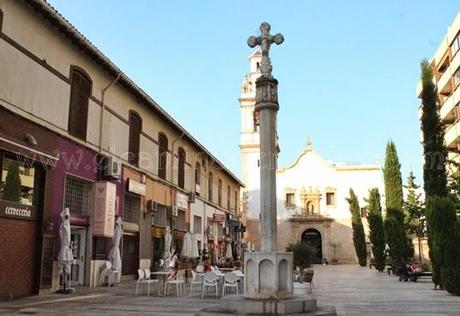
[[164, 274]]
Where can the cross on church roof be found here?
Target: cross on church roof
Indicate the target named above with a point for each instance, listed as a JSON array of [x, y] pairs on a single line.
[[264, 41]]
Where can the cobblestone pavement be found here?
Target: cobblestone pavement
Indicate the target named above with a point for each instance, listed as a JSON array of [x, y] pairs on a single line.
[[351, 289]]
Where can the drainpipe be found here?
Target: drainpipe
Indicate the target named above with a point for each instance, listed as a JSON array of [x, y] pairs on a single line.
[[101, 122]]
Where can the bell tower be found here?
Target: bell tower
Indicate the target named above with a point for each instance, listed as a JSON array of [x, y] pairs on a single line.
[[250, 141]]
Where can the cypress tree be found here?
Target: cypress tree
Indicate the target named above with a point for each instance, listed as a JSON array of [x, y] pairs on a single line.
[[359, 239], [395, 233], [434, 151], [444, 234], [12, 190], [414, 213], [376, 231]]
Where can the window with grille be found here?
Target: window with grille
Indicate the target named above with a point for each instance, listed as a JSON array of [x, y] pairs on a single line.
[[364, 212], [198, 173], [290, 200], [162, 155], [228, 197], [219, 193], [180, 220], [220, 230], [197, 224], [161, 216], [80, 92], [210, 184], [77, 196], [330, 198], [131, 208]]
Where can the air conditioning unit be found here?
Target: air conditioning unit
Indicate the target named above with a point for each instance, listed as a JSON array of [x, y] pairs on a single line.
[[175, 212], [152, 206], [112, 168], [191, 197]]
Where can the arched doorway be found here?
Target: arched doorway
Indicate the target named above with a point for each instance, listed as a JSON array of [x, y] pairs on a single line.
[[312, 238]]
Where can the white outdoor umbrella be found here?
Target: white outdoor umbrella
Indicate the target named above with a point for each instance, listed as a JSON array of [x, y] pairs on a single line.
[[65, 258], [114, 254], [168, 240], [194, 252], [187, 246], [248, 248], [229, 252]]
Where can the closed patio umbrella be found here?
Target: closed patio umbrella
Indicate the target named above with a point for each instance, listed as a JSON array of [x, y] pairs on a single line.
[[194, 252], [187, 246], [168, 240], [114, 254], [229, 252], [65, 258]]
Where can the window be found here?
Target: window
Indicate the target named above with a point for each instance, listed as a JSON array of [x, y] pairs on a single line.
[[219, 192], [330, 198], [131, 208], [162, 155], [20, 186], [80, 92], [197, 224], [236, 201], [210, 184], [290, 200], [364, 212], [161, 216], [135, 128], [255, 117], [455, 44], [181, 171], [77, 196], [198, 173], [180, 220], [457, 78], [228, 197]]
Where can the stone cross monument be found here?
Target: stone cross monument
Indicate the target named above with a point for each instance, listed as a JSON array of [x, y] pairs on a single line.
[[269, 273]]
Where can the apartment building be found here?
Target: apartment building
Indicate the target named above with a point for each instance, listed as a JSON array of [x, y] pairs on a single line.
[[83, 135], [446, 69]]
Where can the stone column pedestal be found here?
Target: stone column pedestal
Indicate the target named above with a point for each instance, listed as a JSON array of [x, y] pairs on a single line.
[[268, 275]]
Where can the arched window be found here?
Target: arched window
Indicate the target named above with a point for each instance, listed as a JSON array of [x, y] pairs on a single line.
[[198, 173], [181, 171], [162, 155], [135, 128], [80, 92], [210, 184], [219, 193]]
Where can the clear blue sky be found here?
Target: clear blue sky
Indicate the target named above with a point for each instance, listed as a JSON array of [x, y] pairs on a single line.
[[347, 69]]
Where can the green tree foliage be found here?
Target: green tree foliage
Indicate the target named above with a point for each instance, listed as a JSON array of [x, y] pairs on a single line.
[[434, 150], [376, 231], [303, 254], [444, 231], [414, 212], [359, 239], [12, 190], [395, 232]]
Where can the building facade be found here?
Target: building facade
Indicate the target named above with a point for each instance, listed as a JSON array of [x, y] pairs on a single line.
[[446, 70], [311, 192], [86, 137]]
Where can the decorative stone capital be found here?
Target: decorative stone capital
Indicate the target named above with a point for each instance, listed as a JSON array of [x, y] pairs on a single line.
[[266, 93]]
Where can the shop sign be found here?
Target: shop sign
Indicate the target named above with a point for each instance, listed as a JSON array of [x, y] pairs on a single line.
[[104, 208], [17, 211], [220, 218], [136, 187], [181, 201], [158, 232]]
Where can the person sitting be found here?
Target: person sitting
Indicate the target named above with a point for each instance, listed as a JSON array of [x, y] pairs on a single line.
[[402, 271], [173, 266], [415, 269], [207, 266]]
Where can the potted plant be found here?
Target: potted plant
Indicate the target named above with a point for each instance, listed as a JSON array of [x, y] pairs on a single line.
[[303, 258]]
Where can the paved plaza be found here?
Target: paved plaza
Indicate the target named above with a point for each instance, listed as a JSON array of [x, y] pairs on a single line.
[[351, 289]]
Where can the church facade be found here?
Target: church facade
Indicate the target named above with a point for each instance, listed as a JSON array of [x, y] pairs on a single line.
[[311, 192]]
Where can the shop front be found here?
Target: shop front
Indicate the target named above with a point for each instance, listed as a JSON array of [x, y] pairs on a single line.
[[180, 219], [26, 155], [197, 222]]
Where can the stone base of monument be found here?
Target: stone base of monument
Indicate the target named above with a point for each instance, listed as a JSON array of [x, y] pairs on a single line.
[[295, 305], [268, 290]]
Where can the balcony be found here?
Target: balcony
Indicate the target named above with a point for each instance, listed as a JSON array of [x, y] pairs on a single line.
[[445, 83], [448, 108], [452, 136]]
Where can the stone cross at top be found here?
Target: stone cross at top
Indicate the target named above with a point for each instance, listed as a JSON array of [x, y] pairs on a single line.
[[264, 41]]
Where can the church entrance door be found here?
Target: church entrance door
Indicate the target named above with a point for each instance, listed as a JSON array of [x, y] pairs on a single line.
[[312, 238]]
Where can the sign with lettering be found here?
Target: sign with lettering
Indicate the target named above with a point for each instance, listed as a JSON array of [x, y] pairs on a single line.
[[136, 187], [17, 211], [181, 200], [219, 218], [104, 208]]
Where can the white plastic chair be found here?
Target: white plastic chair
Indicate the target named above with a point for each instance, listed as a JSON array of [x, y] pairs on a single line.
[[148, 278], [143, 280], [210, 280], [230, 280], [197, 279], [107, 274], [178, 281], [200, 268]]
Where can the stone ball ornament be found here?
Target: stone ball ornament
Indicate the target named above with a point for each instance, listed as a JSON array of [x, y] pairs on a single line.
[[279, 39]]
